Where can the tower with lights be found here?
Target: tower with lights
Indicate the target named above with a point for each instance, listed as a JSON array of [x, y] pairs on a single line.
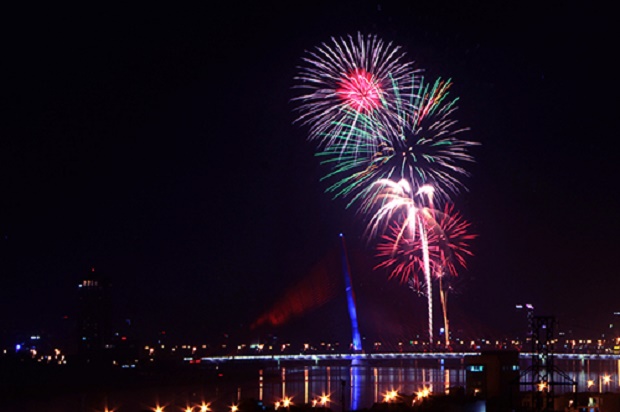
[[93, 316]]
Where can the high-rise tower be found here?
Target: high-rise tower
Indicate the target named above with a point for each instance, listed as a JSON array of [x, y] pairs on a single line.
[[93, 316]]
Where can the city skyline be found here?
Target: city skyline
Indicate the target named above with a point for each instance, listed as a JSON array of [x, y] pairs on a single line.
[[159, 148]]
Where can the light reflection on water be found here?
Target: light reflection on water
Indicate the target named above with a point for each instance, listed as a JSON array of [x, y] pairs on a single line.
[[585, 371], [361, 386], [357, 386]]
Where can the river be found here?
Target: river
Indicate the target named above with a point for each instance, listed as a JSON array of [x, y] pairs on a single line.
[[348, 387]]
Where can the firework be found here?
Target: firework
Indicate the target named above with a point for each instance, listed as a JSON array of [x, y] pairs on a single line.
[[398, 197], [421, 144], [391, 144], [398, 200], [349, 79], [400, 255], [453, 236], [453, 239], [447, 239]]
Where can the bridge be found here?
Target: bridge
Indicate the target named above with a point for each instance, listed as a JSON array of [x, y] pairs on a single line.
[[382, 356]]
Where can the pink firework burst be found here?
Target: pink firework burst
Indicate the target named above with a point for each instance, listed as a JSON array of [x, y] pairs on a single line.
[[360, 90]]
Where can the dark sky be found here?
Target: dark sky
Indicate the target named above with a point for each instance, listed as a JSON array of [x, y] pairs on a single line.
[[157, 145]]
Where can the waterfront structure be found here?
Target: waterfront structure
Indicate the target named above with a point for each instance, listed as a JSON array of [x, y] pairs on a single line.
[[351, 305], [493, 376]]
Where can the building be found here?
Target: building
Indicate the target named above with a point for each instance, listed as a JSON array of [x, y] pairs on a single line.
[[93, 326], [494, 377]]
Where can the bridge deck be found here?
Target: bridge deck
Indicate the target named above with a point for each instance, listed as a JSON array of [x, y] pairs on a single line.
[[389, 356]]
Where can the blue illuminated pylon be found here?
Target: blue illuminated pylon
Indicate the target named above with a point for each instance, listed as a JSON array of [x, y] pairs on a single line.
[[346, 271]]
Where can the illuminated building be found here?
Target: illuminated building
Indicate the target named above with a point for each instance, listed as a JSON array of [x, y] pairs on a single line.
[[93, 316]]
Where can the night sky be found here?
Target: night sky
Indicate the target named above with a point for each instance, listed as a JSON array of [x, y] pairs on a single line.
[[158, 146]]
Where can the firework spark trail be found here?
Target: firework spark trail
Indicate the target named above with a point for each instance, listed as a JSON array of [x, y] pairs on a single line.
[[349, 79], [428, 280], [443, 298]]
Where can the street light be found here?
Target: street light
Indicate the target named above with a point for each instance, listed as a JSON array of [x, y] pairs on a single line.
[[542, 386], [390, 396], [423, 393], [324, 400], [605, 379]]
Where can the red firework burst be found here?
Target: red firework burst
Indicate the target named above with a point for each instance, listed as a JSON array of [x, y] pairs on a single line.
[[453, 237], [401, 254], [449, 239], [360, 90]]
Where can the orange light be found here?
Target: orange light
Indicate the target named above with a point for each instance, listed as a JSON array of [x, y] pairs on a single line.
[[390, 396], [324, 399], [423, 393]]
